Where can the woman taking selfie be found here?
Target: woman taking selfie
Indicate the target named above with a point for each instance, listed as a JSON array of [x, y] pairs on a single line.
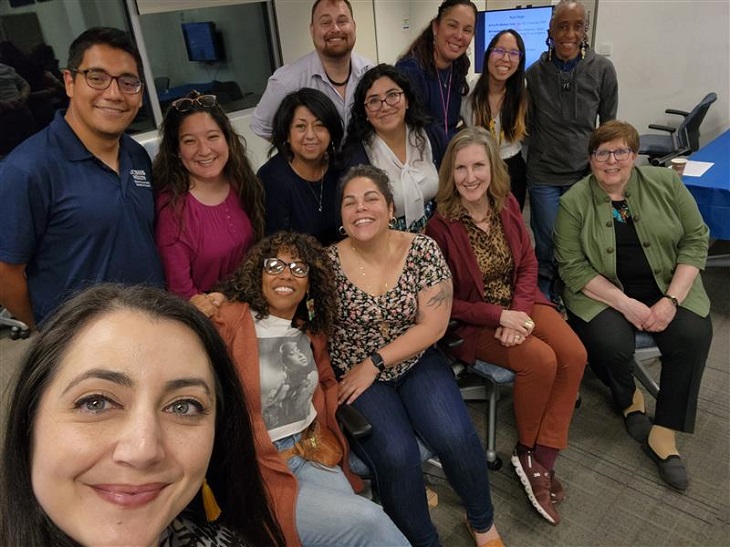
[[124, 407], [498, 103], [280, 308], [209, 203]]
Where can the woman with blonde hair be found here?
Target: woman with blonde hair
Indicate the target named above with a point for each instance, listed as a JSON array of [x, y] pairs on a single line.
[[504, 319]]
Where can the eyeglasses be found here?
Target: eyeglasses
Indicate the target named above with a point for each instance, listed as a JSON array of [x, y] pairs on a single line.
[[274, 266], [619, 154], [514, 54], [101, 80], [186, 104], [392, 98]]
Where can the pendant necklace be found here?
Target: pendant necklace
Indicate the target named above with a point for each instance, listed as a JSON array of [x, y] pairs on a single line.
[[321, 188], [383, 323]]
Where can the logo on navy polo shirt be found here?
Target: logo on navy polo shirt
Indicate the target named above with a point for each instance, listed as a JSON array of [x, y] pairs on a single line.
[[140, 177]]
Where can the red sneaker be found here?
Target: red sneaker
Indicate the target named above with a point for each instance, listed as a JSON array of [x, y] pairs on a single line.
[[557, 492], [537, 482]]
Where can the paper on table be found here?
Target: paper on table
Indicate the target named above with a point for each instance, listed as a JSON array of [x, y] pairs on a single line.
[[696, 168]]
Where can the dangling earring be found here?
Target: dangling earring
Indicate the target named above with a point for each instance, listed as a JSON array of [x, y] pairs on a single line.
[[342, 231], [549, 44], [583, 47], [310, 307], [392, 223], [212, 510]]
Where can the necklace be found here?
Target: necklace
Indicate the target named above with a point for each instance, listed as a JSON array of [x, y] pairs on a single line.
[[621, 212], [321, 188], [382, 323], [480, 220], [340, 84], [445, 100], [566, 79]]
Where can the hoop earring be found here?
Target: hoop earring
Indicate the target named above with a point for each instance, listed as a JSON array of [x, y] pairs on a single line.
[[342, 231], [392, 223], [310, 307], [212, 510]]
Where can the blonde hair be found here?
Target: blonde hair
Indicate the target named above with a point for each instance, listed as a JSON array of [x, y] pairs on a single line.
[[448, 197]]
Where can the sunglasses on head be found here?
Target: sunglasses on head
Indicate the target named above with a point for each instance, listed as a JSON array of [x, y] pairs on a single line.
[[186, 104]]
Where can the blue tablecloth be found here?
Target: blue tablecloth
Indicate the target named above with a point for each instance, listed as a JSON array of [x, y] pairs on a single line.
[[712, 190]]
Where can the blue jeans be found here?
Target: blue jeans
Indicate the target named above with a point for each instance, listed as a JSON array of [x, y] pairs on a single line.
[[329, 512], [425, 401], [544, 202]]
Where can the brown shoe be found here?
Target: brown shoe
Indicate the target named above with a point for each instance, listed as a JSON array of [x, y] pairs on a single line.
[[536, 481], [557, 492]]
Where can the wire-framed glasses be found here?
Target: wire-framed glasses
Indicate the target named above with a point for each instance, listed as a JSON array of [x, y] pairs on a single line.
[[619, 154], [514, 54], [188, 103], [392, 98], [274, 266], [101, 80]]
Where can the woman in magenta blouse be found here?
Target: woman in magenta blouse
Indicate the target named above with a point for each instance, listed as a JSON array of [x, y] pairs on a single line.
[[209, 202]]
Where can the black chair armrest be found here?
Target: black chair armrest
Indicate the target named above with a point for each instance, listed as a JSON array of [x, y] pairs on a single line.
[[353, 422], [662, 127], [677, 112]]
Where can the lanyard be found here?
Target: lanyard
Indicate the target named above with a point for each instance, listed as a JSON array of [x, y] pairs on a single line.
[[445, 102]]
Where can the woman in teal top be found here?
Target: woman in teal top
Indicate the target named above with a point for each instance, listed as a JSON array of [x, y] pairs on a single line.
[[630, 243]]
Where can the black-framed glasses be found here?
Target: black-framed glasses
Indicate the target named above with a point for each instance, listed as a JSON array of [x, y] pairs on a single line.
[[499, 52], [101, 80], [619, 154], [274, 266], [392, 98], [188, 103]]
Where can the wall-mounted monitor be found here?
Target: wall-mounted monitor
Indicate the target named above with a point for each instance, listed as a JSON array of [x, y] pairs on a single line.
[[203, 43], [531, 22]]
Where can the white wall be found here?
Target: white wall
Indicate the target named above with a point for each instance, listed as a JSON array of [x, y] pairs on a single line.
[[668, 55]]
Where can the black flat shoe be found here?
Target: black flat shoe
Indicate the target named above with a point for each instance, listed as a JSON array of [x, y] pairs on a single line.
[[638, 425], [671, 469]]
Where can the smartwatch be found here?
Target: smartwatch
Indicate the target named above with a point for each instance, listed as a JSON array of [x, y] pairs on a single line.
[[673, 299], [377, 360]]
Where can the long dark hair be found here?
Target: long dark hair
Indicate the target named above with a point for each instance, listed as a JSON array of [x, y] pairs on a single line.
[[361, 130], [514, 107], [321, 107], [233, 469], [422, 47], [169, 175], [244, 285]]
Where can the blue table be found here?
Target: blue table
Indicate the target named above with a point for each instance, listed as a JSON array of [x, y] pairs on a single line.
[[712, 190]]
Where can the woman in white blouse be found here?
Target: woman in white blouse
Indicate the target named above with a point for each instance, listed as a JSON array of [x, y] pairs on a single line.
[[390, 130]]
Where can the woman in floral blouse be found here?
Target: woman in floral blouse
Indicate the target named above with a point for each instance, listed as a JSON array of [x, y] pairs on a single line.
[[395, 302]]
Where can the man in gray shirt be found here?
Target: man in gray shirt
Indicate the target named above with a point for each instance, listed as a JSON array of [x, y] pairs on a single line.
[[331, 68]]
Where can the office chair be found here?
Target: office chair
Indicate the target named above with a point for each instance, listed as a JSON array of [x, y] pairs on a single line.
[[646, 350], [681, 140], [162, 84], [18, 329]]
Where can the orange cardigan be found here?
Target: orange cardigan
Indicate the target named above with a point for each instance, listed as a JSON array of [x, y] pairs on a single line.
[[235, 324]]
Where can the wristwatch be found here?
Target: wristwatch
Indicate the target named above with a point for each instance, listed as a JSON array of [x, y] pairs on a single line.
[[377, 360], [673, 299]]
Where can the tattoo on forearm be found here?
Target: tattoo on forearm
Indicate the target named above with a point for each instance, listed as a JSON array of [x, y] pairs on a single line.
[[442, 296]]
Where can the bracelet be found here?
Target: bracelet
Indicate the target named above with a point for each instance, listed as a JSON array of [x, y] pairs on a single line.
[[673, 299], [377, 360]]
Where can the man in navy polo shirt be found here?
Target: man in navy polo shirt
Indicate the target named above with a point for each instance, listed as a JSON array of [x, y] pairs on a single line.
[[76, 203]]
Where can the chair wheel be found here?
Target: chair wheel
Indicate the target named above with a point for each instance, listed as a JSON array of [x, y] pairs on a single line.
[[496, 465], [25, 334]]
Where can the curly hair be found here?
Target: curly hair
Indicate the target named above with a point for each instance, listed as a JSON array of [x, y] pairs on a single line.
[[514, 108], [447, 197], [422, 47], [169, 175], [245, 284], [321, 107], [361, 130]]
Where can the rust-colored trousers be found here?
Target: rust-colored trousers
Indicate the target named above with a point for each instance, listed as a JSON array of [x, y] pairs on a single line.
[[549, 366]]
